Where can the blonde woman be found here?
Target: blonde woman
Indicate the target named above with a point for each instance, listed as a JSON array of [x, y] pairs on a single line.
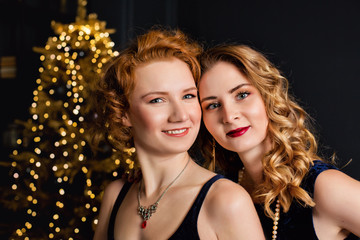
[[264, 143], [148, 99]]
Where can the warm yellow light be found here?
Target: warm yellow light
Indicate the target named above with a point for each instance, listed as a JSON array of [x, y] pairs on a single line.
[[37, 150], [19, 141]]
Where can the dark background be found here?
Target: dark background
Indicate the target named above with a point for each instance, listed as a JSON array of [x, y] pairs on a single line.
[[316, 44]]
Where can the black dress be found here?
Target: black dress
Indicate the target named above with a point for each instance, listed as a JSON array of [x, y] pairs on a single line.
[[187, 229], [297, 223]]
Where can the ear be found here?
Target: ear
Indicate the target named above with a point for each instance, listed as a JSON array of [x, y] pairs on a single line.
[[125, 120]]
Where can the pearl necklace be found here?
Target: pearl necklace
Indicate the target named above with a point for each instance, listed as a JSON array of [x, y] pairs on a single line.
[[277, 206], [147, 212]]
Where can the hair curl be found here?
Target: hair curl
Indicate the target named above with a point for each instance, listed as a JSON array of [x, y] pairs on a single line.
[[117, 82], [294, 147]]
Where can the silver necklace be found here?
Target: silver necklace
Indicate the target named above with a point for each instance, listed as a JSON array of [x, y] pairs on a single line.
[[277, 208], [147, 212]]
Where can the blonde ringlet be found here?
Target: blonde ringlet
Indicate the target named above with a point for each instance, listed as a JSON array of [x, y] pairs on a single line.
[[117, 82], [294, 147]]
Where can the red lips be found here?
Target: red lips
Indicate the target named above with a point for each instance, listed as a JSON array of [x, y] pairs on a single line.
[[238, 132]]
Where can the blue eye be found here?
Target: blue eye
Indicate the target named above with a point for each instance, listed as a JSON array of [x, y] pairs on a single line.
[[189, 96], [213, 106], [156, 100], [242, 95]]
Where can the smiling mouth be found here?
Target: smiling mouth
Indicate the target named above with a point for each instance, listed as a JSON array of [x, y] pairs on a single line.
[[238, 132], [177, 132]]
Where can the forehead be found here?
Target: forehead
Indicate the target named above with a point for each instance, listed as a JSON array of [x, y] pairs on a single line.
[[220, 76], [163, 75]]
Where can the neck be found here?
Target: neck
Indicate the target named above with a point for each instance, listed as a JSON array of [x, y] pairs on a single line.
[[159, 171], [252, 161]]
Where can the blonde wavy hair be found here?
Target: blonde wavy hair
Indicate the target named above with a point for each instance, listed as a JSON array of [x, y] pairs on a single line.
[[294, 147], [117, 82]]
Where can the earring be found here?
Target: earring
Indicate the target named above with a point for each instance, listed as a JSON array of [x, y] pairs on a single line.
[[212, 164]]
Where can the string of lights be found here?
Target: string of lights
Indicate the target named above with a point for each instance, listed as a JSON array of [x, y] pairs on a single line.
[[54, 167]]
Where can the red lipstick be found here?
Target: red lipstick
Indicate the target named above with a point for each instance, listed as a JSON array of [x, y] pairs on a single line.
[[238, 132]]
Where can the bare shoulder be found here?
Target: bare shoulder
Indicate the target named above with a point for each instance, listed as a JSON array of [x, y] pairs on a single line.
[[231, 213], [336, 196], [227, 193], [332, 185], [227, 199], [110, 194], [112, 190]]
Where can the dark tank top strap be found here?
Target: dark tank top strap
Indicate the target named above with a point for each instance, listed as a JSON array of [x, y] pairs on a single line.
[[115, 209], [318, 167], [188, 228]]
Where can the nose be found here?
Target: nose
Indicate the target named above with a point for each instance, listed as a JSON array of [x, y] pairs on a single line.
[[179, 112], [230, 113]]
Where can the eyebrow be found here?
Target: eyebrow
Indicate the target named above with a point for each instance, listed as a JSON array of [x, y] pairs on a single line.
[[164, 93], [230, 91]]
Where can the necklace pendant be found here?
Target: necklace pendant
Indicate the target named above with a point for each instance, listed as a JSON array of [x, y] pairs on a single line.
[[143, 224]]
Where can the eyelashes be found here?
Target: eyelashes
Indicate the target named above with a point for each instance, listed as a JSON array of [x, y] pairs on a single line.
[[242, 95], [239, 97], [161, 100]]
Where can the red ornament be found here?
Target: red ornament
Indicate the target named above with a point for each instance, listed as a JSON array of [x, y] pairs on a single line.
[[143, 224]]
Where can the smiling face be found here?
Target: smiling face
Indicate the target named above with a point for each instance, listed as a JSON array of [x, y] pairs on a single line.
[[164, 110], [233, 110]]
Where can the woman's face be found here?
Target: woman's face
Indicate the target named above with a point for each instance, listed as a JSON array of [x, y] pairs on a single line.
[[233, 110], [164, 110]]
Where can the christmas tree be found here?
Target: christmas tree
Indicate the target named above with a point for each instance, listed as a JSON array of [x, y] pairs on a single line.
[[58, 175]]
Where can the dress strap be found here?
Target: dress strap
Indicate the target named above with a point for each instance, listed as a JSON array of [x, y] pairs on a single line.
[[318, 167], [116, 207]]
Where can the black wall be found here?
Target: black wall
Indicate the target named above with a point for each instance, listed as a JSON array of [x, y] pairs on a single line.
[[314, 43]]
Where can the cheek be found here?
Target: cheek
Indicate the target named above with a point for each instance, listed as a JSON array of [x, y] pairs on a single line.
[[259, 114], [195, 113], [144, 118], [209, 122]]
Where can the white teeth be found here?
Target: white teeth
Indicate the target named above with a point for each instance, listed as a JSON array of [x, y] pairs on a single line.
[[176, 131]]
